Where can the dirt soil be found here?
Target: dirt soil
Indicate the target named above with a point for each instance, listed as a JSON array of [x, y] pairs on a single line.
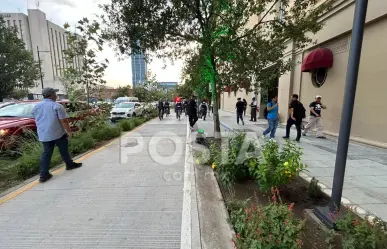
[[296, 192]]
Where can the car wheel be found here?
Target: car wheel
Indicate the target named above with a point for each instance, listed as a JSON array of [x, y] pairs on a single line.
[[113, 120]]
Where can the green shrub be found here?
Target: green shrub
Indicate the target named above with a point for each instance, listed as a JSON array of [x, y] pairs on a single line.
[[360, 234], [230, 163], [28, 164], [265, 227], [81, 143], [138, 121], [104, 133], [275, 167], [127, 125], [314, 190]]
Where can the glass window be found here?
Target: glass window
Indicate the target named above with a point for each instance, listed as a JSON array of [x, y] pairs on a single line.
[[21, 29], [23, 110], [125, 105]]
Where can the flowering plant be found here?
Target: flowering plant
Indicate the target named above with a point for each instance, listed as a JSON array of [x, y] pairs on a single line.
[[360, 234], [269, 227], [274, 166]]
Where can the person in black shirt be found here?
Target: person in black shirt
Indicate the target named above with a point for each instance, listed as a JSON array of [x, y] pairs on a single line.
[[240, 106], [296, 114], [315, 118], [245, 107], [192, 112]]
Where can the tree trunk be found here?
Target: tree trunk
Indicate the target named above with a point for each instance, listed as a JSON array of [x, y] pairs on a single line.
[[1, 98], [217, 134]]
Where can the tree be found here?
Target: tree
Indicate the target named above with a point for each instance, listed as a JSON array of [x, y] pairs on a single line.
[[85, 46], [122, 92], [232, 51], [18, 70], [149, 91]]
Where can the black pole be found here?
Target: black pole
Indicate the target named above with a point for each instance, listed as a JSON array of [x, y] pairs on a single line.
[[347, 112], [40, 67], [349, 100]]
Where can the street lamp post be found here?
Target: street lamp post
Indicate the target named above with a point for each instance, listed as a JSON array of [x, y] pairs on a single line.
[[347, 112], [40, 64]]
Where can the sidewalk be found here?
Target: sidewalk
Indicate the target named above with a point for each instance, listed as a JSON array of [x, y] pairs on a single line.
[[123, 197], [365, 186]]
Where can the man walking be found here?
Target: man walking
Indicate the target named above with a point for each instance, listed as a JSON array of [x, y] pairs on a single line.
[[315, 118], [272, 117], [192, 112], [239, 110], [53, 129], [253, 110], [296, 114]]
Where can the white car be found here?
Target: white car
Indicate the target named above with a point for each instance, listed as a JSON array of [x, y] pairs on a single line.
[[126, 110]]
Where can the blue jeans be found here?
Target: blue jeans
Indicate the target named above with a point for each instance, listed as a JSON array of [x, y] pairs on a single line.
[[48, 150], [273, 124]]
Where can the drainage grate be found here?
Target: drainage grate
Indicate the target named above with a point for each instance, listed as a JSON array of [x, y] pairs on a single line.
[[130, 144]]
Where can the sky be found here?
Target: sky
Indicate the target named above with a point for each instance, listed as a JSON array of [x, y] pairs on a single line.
[[119, 73]]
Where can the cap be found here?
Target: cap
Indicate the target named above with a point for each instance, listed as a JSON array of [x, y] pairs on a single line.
[[318, 97], [48, 91]]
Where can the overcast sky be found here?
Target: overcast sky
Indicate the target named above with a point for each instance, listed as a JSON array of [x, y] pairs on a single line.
[[62, 11]]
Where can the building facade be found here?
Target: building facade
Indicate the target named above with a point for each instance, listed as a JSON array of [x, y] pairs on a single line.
[[139, 69], [167, 85], [46, 41], [329, 80]]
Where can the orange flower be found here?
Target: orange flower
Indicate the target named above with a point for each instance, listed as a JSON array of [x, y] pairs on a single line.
[[355, 222], [291, 206]]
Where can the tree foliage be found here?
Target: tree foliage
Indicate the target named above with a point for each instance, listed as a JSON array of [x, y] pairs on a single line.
[[236, 39], [122, 92], [18, 70], [85, 47], [149, 91]]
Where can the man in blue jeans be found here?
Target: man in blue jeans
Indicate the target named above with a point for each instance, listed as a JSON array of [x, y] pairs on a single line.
[[272, 117], [53, 129]]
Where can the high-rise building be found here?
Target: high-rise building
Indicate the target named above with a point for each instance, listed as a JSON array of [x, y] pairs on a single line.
[[139, 69], [46, 41]]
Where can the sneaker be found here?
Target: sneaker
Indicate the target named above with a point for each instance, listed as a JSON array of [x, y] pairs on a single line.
[[285, 137], [304, 134], [45, 178], [243, 122], [297, 140], [74, 165], [321, 137]]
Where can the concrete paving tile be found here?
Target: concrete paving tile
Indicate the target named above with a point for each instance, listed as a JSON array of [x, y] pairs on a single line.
[[377, 209], [357, 196]]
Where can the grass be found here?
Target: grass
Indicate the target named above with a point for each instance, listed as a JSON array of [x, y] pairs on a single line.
[[105, 132]]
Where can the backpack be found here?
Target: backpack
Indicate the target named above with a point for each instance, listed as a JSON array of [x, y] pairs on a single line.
[[301, 111]]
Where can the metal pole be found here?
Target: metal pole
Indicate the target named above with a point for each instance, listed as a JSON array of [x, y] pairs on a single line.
[[40, 67], [346, 116], [349, 100]]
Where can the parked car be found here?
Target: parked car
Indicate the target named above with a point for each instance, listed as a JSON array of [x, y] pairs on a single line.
[[126, 110], [16, 120]]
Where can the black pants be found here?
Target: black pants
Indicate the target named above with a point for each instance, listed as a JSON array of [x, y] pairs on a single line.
[[203, 114], [48, 150], [253, 114], [192, 120], [239, 116], [292, 122], [244, 111]]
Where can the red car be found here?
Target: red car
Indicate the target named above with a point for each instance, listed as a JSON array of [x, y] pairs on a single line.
[[17, 120]]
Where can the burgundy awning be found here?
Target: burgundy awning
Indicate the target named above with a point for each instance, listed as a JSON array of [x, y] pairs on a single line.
[[319, 58]]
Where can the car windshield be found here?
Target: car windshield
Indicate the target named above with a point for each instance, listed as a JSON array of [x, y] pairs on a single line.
[[125, 105], [22, 110]]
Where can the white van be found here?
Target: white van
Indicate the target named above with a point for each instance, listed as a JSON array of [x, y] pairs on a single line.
[[125, 99]]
